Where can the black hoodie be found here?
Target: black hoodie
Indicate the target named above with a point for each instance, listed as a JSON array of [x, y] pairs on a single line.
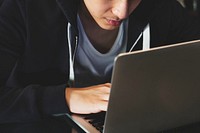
[[34, 55]]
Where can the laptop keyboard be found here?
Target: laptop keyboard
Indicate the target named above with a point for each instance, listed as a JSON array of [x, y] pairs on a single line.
[[97, 120]]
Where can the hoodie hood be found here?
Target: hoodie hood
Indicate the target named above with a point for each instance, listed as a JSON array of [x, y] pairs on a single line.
[[69, 9]]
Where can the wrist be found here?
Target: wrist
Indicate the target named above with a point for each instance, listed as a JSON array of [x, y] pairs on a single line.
[[67, 95]]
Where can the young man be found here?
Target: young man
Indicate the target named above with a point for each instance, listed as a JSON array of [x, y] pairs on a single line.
[[57, 55]]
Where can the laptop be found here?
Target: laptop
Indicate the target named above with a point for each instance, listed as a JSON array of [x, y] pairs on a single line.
[[152, 91]]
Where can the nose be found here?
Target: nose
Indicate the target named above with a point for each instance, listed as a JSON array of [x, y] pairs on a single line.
[[121, 9]]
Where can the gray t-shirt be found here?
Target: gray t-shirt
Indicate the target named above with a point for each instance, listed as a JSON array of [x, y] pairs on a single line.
[[93, 67]]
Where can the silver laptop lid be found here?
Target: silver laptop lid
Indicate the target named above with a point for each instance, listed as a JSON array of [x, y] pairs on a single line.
[[155, 90]]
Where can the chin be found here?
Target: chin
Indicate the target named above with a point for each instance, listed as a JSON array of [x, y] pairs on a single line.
[[109, 27]]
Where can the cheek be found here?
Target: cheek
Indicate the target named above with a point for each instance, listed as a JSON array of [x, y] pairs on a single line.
[[97, 12], [97, 8]]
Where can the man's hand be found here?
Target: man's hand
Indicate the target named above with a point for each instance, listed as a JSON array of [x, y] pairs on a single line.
[[87, 100]]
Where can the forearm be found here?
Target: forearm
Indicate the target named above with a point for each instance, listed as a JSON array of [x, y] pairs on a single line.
[[31, 103]]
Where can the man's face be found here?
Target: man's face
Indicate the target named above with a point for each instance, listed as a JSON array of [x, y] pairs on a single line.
[[109, 14]]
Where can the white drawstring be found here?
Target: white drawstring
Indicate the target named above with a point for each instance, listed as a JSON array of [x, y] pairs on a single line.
[[71, 69], [135, 42], [146, 39]]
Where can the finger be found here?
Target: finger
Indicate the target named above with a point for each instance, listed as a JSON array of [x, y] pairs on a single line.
[[105, 97], [108, 85], [105, 88], [103, 105]]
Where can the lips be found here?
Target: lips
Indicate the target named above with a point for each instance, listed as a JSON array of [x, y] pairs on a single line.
[[114, 22]]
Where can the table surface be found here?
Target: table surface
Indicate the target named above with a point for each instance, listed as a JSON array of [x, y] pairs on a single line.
[[51, 125]]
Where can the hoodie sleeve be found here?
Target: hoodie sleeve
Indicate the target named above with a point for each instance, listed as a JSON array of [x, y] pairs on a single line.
[[32, 102]]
